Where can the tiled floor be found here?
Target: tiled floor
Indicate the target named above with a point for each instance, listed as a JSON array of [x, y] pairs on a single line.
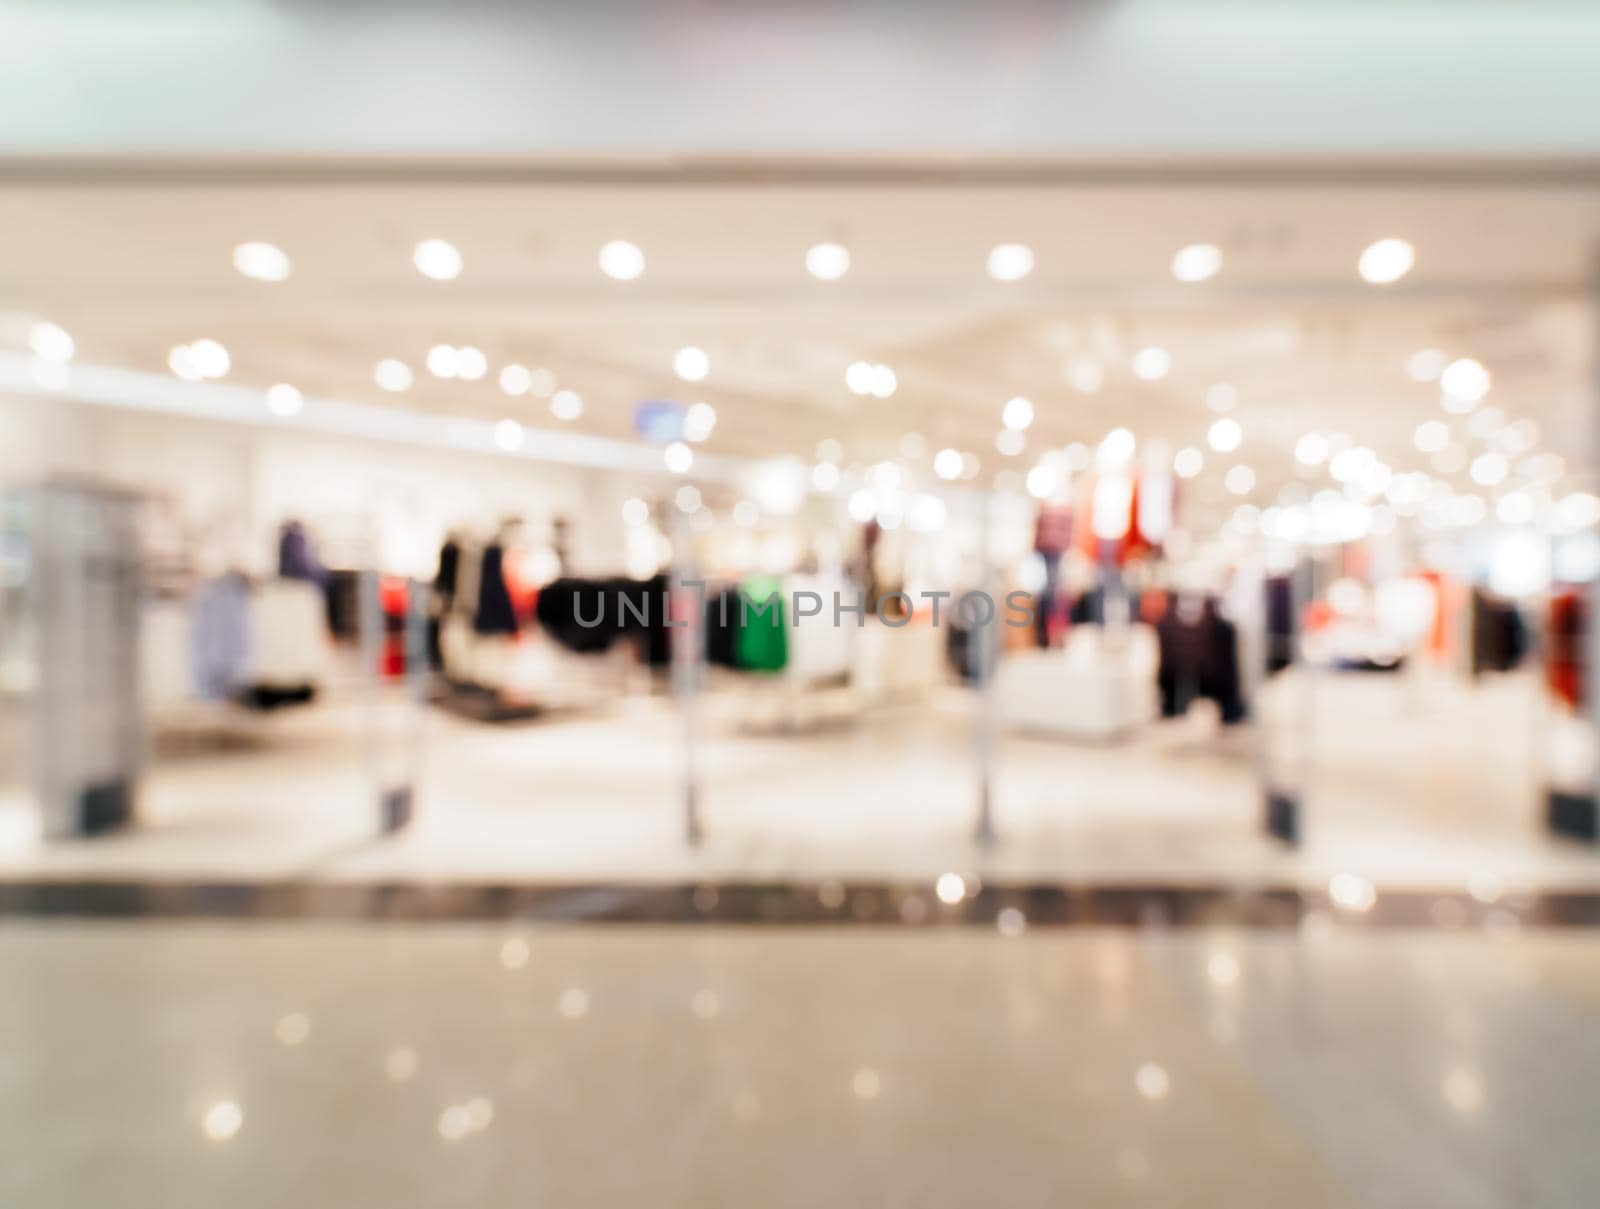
[[178, 1065]]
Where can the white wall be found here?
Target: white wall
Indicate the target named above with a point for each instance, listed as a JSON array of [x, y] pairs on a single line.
[[1119, 77], [234, 484]]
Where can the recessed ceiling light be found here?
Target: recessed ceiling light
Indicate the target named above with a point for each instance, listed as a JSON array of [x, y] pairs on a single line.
[[1197, 262], [444, 361], [884, 382], [1010, 262], [1311, 449], [471, 364], [947, 464], [1488, 469], [437, 260], [1224, 436], [262, 261], [515, 379], [210, 359], [1386, 261], [566, 405], [687, 498], [828, 261], [1086, 376], [860, 377], [699, 421], [1017, 414], [1485, 423], [825, 476], [180, 360], [1188, 462], [392, 375], [542, 383], [1116, 450], [678, 457], [1240, 480], [508, 435], [691, 363], [284, 400], [1152, 363], [1425, 365], [1465, 379], [51, 343], [1042, 481], [621, 260]]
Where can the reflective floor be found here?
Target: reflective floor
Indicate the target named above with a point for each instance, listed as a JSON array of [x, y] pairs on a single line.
[[254, 1064]]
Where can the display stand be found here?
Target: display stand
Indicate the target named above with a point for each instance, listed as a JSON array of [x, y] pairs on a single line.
[[80, 601], [1283, 744], [394, 722]]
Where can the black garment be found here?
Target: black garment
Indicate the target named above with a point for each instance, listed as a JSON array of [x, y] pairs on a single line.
[[1199, 658], [655, 639], [1280, 623], [1499, 636], [444, 579], [1049, 595], [583, 615], [494, 614], [722, 628]]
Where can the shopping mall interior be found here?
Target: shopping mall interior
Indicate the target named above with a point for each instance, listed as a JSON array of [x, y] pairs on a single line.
[[494, 616]]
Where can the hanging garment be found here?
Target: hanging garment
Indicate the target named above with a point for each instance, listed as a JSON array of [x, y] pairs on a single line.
[[444, 579], [1199, 657], [289, 636], [819, 650], [1499, 637], [762, 641], [296, 558], [583, 615], [494, 614], [722, 628], [1279, 623], [1052, 537], [1567, 633], [221, 637]]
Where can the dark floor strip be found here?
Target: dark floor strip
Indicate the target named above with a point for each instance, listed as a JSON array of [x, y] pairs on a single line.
[[1008, 908]]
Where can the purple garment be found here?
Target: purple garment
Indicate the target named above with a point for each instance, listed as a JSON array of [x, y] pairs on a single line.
[[296, 558]]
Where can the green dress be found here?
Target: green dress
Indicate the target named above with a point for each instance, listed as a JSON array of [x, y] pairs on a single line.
[[761, 643]]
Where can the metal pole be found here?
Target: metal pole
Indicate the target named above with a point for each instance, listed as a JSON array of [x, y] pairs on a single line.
[[1591, 660], [986, 638], [687, 650]]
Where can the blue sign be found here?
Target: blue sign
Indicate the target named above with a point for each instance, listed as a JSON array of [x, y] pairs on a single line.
[[659, 421]]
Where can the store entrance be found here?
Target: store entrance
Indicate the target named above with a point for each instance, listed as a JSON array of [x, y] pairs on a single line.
[[1229, 545]]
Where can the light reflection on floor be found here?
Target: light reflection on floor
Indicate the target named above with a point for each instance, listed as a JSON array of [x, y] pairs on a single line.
[[252, 1064]]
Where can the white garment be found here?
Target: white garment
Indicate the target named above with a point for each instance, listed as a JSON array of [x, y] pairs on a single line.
[[819, 649], [289, 624], [1095, 687]]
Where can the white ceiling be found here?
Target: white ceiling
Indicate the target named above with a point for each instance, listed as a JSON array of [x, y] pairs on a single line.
[[1504, 274]]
